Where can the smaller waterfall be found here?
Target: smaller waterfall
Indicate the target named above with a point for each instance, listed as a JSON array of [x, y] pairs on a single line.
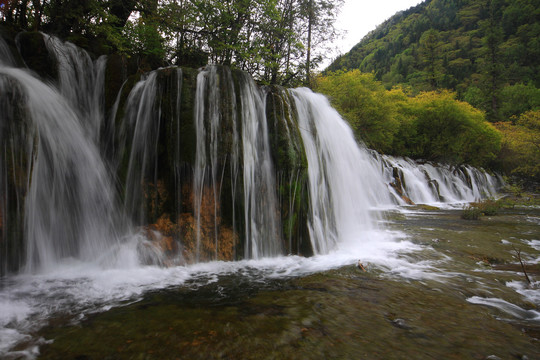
[[81, 82], [429, 183], [6, 57], [217, 164], [141, 125], [207, 126]]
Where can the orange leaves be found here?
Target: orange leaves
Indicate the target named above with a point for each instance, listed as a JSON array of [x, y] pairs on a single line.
[[203, 238]]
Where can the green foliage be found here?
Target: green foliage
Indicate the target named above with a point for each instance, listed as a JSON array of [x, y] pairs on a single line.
[[521, 145], [485, 50], [276, 41], [519, 99], [488, 207], [144, 39], [451, 130], [514, 189], [431, 125], [364, 102], [471, 213]]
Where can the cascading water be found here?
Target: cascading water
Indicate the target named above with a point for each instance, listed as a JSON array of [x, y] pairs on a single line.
[[69, 208], [6, 57], [428, 183], [81, 83], [196, 161], [143, 121], [207, 127], [343, 183], [260, 199]]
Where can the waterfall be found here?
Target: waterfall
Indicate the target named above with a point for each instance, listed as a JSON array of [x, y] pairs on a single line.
[[263, 233], [81, 82], [192, 166], [207, 115], [69, 209], [6, 57], [208, 165], [141, 124], [344, 184], [430, 183]]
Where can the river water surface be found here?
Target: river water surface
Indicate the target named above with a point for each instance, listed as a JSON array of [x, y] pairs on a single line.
[[441, 287]]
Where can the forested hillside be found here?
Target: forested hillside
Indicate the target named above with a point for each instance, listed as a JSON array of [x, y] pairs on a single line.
[[433, 59], [485, 50]]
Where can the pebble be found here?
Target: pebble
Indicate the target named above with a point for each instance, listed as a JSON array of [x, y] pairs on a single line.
[[400, 323]]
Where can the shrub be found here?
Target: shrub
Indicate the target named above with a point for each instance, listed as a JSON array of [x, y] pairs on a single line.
[[521, 146], [488, 207], [471, 213], [369, 108]]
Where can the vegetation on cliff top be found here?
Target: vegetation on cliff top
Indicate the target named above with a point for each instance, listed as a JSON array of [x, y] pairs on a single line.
[[276, 41]]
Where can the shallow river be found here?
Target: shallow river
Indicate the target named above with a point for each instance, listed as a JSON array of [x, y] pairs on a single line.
[[432, 286]]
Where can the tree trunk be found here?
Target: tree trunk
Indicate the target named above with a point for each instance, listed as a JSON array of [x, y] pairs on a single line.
[[308, 55]]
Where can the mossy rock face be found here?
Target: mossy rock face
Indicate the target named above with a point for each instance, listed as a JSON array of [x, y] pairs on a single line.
[[36, 56], [285, 139], [115, 76], [16, 161], [289, 157]]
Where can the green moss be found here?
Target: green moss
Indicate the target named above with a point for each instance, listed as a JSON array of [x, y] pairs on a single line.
[[285, 139], [426, 207], [16, 134]]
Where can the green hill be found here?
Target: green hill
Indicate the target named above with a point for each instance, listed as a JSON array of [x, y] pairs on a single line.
[[487, 51]]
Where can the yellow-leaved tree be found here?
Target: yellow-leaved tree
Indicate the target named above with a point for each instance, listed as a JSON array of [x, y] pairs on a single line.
[[432, 125], [520, 154]]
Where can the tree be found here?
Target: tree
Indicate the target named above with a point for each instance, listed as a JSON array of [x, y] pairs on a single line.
[[492, 67], [430, 52], [521, 146], [365, 104], [316, 28], [277, 41], [451, 130]]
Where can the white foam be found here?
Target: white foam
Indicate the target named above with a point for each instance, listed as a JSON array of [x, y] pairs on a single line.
[[78, 288], [531, 292], [507, 307], [535, 244]]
